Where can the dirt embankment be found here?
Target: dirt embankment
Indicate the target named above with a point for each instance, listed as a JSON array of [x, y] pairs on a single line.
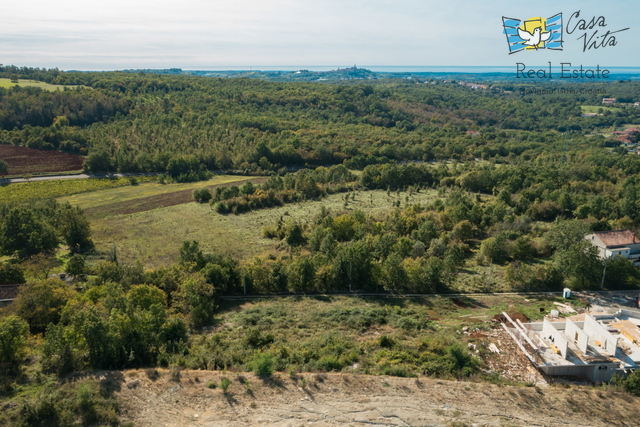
[[358, 400]]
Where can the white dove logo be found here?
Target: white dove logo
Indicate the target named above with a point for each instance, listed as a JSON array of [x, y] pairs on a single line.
[[533, 39], [533, 33]]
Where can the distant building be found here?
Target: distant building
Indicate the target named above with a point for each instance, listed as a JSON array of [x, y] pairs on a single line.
[[473, 132], [7, 294], [609, 100], [616, 243]]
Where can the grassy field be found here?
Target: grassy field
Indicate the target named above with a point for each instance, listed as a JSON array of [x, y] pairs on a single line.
[[154, 237], [6, 83], [25, 191], [590, 109], [388, 336], [96, 199]]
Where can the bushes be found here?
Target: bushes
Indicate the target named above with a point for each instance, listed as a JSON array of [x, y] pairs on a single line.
[[263, 365], [202, 195]]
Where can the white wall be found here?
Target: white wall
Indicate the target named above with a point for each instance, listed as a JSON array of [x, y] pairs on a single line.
[[548, 330], [572, 332], [597, 332]]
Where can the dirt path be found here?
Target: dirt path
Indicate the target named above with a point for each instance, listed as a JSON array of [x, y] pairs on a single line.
[[358, 400]]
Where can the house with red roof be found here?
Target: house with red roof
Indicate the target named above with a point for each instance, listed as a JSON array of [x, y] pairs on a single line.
[[616, 243]]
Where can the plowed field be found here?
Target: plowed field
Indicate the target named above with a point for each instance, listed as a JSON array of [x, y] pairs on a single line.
[[23, 160]]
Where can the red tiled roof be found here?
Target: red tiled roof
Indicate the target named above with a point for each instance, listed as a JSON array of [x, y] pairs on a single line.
[[9, 291], [617, 237]]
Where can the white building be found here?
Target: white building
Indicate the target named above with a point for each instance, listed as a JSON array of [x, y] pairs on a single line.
[[601, 346], [616, 243]]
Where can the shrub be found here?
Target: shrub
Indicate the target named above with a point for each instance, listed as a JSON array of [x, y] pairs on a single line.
[[263, 365], [632, 383], [224, 384], [202, 195], [386, 341], [211, 385]]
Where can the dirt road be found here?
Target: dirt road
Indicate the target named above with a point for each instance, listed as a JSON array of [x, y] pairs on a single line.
[[358, 400]]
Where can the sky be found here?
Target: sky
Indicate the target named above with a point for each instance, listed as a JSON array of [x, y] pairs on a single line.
[[238, 34]]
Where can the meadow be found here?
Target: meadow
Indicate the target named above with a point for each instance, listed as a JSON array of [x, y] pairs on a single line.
[[591, 109], [382, 336], [99, 202], [26, 191], [153, 237], [7, 83]]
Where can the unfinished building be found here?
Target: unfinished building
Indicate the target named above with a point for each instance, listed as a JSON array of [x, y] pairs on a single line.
[[601, 346]]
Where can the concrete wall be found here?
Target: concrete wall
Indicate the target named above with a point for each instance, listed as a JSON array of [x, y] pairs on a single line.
[[597, 332], [576, 335], [548, 330]]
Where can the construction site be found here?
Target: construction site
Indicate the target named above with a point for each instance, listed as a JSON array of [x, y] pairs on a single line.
[[595, 346]]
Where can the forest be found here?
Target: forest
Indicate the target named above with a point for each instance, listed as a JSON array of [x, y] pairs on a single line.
[[516, 180]]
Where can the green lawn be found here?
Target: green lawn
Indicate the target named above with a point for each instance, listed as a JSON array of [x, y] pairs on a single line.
[[121, 194], [6, 83], [154, 237], [590, 109], [24, 191]]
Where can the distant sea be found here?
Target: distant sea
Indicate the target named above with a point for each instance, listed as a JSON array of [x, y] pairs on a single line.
[[400, 68]]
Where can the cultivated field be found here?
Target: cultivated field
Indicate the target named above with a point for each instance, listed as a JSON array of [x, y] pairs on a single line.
[[23, 160], [153, 237], [6, 83], [151, 195], [25, 191]]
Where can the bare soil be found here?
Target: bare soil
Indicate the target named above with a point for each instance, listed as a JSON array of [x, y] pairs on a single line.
[[358, 400], [22, 160]]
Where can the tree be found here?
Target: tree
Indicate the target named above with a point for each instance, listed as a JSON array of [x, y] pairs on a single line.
[[4, 168], [563, 234], [40, 265], [75, 228], [11, 274], [98, 161], [294, 236], [41, 303], [301, 274], [202, 195], [580, 265], [24, 234], [13, 339], [75, 265], [196, 297], [190, 253]]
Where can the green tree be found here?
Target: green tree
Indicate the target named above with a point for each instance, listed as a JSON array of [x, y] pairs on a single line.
[[294, 236], [11, 274], [4, 168], [202, 195], [301, 274], [197, 299], [580, 265], [75, 228], [13, 339], [75, 266], [24, 234], [563, 234], [41, 303]]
